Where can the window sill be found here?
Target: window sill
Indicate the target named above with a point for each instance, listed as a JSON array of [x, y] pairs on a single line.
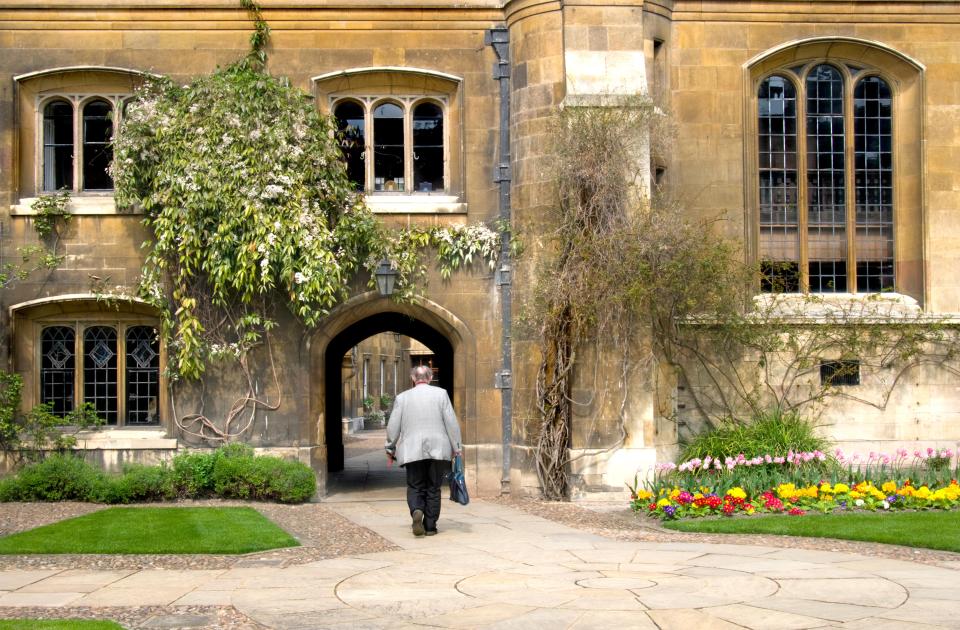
[[386, 203], [832, 308], [85, 204], [125, 438]]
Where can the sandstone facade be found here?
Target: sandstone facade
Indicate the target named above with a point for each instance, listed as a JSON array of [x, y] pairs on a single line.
[[702, 61]]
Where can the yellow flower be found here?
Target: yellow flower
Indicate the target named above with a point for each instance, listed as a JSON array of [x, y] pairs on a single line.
[[923, 492], [810, 491], [855, 495], [841, 488], [889, 487], [663, 502], [737, 493], [643, 495], [786, 490], [698, 495], [674, 493], [825, 488]]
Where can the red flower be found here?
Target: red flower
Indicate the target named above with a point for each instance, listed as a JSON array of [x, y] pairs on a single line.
[[796, 512], [728, 509], [652, 507]]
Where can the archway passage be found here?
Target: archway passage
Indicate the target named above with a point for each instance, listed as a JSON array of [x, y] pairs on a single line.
[[395, 322]]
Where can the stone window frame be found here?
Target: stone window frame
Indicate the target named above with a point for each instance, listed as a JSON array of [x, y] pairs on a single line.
[[78, 104], [856, 59], [408, 88], [408, 105], [80, 313], [78, 86]]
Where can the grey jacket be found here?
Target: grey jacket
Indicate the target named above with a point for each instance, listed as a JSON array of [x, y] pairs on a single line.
[[422, 425]]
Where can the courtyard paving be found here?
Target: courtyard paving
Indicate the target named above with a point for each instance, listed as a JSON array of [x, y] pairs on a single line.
[[495, 567]]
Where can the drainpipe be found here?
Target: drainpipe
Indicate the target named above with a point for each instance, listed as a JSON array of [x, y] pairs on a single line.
[[499, 39]]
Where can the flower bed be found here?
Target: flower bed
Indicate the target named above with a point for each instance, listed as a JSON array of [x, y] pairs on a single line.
[[798, 483]]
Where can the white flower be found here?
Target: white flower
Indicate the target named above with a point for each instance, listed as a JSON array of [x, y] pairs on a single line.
[[858, 503], [300, 278]]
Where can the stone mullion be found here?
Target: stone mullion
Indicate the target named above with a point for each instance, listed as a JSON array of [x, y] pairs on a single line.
[[802, 193], [850, 190]]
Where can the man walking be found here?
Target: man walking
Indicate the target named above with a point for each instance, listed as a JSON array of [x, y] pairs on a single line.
[[423, 436]]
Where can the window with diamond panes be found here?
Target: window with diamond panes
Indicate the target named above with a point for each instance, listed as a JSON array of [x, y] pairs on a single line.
[[142, 375], [806, 215], [100, 371], [57, 368]]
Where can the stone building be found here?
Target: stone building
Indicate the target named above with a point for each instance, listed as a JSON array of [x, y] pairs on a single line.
[[826, 133]]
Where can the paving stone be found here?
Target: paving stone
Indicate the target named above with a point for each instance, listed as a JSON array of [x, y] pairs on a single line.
[[179, 621], [12, 580], [765, 619], [686, 619]]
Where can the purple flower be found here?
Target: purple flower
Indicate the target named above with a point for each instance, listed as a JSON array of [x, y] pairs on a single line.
[[670, 510], [892, 498]]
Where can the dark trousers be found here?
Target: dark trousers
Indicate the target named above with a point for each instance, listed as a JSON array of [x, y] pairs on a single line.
[[424, 479]]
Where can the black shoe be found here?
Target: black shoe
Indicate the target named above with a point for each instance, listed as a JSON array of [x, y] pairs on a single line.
[[431, 532], [418, 529]]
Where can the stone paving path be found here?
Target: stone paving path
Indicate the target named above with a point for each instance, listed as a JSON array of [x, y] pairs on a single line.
[[494, 567]]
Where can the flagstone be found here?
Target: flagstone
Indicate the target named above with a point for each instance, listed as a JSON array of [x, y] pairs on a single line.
[[766, 619], [12, 580]]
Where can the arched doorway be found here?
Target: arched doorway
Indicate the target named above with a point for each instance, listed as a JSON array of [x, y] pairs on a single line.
[[437, 328], [394, 322]]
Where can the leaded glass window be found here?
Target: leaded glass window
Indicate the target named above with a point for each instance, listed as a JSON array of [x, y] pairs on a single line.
[[143, 375], [813, 234], [826, 192], [779, 220], [57, 368], [873, 144], [100, 371]]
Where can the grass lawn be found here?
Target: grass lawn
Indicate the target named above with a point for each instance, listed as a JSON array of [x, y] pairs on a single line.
[[58, 624], [227, 530], [933, 530]]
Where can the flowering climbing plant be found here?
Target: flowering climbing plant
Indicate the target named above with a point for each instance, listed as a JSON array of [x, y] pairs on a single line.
[[247, 199]]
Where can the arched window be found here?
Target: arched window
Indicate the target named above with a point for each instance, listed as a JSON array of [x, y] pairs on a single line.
[[57, 368], [58, 146], [77, 151], [873, 163], [97, 151], [428, 147], [813, 235], [353, 143], [389, 147]]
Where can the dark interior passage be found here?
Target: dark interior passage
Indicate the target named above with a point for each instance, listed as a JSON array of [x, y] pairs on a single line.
[[399, 323]]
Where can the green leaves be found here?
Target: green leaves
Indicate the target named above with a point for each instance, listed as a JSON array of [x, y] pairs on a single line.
[[242, 185]]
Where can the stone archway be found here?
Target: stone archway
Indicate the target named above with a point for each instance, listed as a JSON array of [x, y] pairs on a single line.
[[367, 315]]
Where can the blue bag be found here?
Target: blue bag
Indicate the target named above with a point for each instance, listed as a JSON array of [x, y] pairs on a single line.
[[458, 485]]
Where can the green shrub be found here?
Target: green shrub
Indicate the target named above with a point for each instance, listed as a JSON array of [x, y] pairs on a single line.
[[192, 475], [775, 433], [264, 479], [231, 472], [59, 477], [139, 483]]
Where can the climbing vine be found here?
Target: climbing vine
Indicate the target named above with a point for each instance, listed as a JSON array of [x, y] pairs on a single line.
[[632, 278], [247, 199]]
